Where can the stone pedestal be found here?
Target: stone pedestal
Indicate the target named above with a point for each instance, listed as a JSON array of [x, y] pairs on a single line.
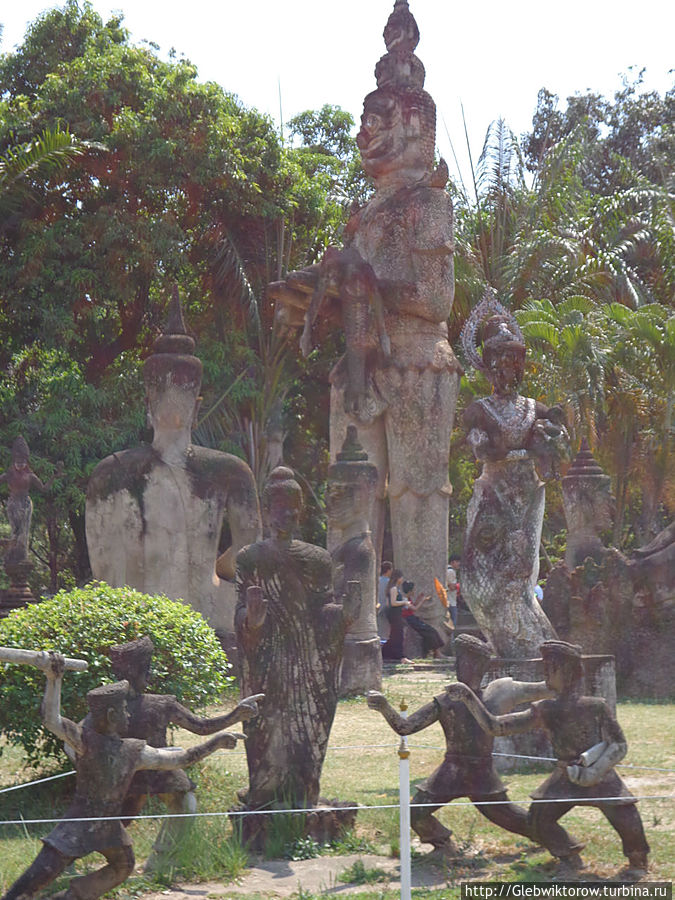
[[599, 681], [18, 594]]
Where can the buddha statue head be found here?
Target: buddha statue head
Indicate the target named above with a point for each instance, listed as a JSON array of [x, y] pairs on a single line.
[[173, 376], [282, 503]]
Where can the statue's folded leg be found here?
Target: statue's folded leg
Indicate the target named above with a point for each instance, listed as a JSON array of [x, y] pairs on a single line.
[[506, 815], [543, 820], [425, 824], [89, 887]]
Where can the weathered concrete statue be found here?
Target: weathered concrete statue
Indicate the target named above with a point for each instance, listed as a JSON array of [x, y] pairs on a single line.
[[398, 253], [508, 434], [467, 769], [149, 718], [106, 764], [20, 480], [290, 633], [589, 505], [154, 514], [587, 741], [351, 493]]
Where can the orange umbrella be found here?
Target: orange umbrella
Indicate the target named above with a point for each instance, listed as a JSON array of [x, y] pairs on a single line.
[[442, 593]]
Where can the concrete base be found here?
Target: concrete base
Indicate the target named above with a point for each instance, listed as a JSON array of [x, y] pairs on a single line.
[[361, 667], [18, 594], [599, 681]]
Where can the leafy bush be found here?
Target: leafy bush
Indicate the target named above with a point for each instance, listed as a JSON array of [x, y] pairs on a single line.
[[188, 660]]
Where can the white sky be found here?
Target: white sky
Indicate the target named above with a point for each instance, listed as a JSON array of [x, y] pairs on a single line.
[[492, 57]]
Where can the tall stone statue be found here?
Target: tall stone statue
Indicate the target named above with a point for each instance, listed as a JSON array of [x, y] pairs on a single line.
[[588, 503], [351, 492], [154, 514], [507, 433], [398, 256], [290, 633]]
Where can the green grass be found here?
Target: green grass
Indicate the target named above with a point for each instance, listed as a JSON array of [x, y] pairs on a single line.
[[370, 777]]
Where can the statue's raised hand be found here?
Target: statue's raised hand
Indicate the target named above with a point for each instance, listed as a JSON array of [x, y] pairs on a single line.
[[227, 740], [376, 700], [248, 707], [256, 606]]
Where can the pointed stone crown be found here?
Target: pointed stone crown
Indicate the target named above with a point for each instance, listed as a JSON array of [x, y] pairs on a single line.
[[399, 66], [174, 338], [173, 352]]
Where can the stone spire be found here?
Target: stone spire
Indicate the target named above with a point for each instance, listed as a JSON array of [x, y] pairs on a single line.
[[174, 338], [588, 503]]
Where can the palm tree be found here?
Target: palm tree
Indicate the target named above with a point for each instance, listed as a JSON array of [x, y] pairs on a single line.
[[25, 166]]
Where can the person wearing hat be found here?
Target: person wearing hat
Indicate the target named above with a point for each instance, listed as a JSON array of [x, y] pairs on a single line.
[[587, 742], [149, 718], [467, 769], [105, 767]]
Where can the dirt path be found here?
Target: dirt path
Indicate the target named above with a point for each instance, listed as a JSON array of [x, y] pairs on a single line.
[[282, 878]]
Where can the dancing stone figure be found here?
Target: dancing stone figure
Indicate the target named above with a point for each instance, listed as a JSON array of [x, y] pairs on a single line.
[[154, 514], [290, 633], [398, 255], [467, 769], [106, 764], [508, 434], [149, 718], [588, 742], [351, 492]]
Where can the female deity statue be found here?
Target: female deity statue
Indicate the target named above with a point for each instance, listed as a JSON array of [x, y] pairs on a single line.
[[20, 479], [517, 439]]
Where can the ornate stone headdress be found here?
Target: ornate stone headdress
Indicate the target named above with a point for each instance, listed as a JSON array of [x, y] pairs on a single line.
[[401, 73], [499, 327]]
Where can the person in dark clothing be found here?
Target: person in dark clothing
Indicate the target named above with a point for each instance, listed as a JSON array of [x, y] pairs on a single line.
[[431, 642]]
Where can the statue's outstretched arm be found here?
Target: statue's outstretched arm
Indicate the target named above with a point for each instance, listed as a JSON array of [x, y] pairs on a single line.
[[179, 757], [498, 726], [424, 716], [246, 709]]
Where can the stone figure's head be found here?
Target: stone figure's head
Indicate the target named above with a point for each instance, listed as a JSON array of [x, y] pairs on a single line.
[[131, 661], [352, 482], [282, 502], [503, 355], [20, 453], [173, 375], [473, 658], [108, 708], [398, 125], [563, 669]]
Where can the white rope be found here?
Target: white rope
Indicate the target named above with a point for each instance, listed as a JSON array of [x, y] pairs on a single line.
[[319, 809], [18, 787]]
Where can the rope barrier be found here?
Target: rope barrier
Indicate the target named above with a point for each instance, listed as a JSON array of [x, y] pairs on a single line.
[[318, 809], [18, 787], [391, 746]]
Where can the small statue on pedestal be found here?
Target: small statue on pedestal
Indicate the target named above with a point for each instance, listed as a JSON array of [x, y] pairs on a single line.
[[587, 741], [106, 764], [467, 769]]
